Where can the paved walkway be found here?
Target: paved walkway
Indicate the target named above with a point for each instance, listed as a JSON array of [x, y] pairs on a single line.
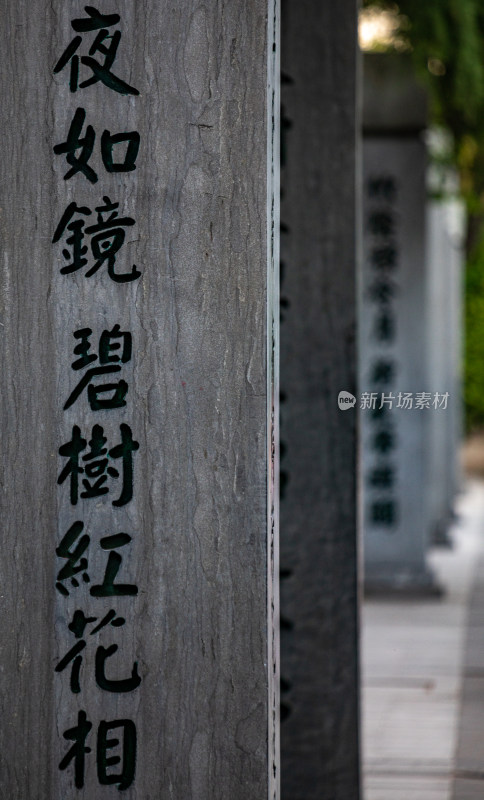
[[423, 678]]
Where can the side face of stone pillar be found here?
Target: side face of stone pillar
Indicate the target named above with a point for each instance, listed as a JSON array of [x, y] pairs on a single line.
[[444, 302], [319, 727], [139, 217], [456, 225], [396, 405]]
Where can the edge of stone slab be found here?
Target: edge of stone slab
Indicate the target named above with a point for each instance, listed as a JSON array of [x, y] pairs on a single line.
[[419, 586]]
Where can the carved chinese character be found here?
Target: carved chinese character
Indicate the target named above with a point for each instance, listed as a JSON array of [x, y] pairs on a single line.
[[107, 238], [101, 396], [384, 186], [383, 512], [105, 43], [385, 327], [77, 753], [383, 372], [73, 548], [384, 257], [381, 223], [384, 441], [96, 464], [73, 656], [382, 477], [126, 157]]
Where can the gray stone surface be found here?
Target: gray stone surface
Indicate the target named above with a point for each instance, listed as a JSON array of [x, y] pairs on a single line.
[[201, 401], [319, 734]]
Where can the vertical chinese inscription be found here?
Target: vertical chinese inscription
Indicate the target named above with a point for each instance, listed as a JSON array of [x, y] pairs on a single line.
[[95, 158], [382, 255]]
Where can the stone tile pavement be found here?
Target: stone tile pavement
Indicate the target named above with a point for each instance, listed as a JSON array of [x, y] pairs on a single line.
[[423, 677]]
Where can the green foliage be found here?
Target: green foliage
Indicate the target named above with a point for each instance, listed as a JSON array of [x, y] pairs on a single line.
[[474, 339]]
